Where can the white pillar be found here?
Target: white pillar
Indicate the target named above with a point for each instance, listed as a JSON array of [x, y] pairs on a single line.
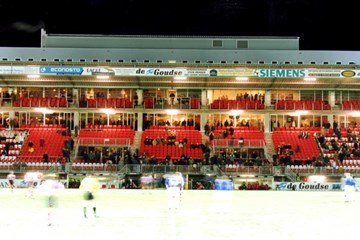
[[331, 120], [267, 123], [75, 96], [332, 98], [202, 121], [204, 98], [267, 98], [76, 119], [140, 94], [140, 122]]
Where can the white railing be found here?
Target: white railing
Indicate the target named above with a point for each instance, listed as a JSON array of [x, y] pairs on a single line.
[[250, 143], [104, 141]]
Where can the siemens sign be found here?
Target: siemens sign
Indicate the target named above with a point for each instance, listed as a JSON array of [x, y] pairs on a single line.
[[281, 73]]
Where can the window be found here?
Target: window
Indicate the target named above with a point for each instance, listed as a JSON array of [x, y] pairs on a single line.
[[217, 43], [242, 44]]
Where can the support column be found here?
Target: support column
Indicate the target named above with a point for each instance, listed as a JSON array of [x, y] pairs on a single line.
[[75, 96], [204, 98], [330, 118], [267, 98], [202, 121], [140, 122], [331, 98], [76, 119], [267, 123], [140, 94], [11, 114]]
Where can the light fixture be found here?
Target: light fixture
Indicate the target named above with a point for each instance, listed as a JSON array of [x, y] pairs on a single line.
[[180, 78], [242, 78], [172, 111], [235, 112], [43, 110], [33, 76], [107, 110], [310, 79], [299, 112], [355, 113], [102, 77]]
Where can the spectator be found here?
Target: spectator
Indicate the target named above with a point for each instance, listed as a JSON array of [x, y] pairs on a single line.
[[31, 149], [46, 157]]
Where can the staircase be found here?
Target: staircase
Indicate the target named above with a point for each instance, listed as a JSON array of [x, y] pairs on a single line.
[[270, 148]]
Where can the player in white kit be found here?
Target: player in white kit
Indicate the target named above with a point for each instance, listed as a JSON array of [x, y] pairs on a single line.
[[11, 177], [349, 187], [49, 187], [174, 184]]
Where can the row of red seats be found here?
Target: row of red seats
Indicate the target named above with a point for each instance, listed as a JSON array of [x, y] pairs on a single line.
[[91, 126], [40, 102], [350, 105], [152, 127], [54, 143], [246, 135], [302, 105], [194, 103], [109, 103], [308, 147], [240, 129], [41, 126], [237, 104]]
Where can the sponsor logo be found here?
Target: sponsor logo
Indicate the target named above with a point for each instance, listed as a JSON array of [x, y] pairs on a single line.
[[159, 72], [348, 73], [213, 73]]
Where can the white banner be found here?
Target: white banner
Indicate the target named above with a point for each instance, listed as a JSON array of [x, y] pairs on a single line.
[[20, 183], [306, 186], [182, 72]]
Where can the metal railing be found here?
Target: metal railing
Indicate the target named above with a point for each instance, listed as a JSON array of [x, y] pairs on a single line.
[[104, 141], [139, 169], [235, 143]]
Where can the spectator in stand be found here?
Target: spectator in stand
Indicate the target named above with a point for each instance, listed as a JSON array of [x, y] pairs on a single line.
[[42, 142], [199, 186], [46, 157], [85, 156], [207, 129], [231, 130], [31, 150], [63, 164], [211, 136], [326, 161], [241, 141], [71, 143]]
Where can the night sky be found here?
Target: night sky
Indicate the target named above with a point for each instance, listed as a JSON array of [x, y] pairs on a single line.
[[320, 24]]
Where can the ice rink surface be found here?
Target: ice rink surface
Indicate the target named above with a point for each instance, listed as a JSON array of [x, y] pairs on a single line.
[[144, 214]]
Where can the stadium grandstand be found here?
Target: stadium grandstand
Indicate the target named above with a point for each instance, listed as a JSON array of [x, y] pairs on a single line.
[[205, 105]]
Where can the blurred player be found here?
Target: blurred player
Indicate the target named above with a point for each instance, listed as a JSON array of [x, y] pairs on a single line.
[[174, 184], [89, 185], [349, 186], [30, 178], [11, 180], [49, 186]]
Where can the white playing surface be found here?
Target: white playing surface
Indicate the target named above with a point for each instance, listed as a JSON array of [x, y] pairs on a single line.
[[144, 214]]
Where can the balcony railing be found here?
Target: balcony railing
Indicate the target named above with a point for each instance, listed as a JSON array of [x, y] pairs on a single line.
[[185, 169], [104, 141], [236, 143]]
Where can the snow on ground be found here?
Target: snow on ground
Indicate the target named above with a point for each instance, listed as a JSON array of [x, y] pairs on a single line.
[[144, 214]]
